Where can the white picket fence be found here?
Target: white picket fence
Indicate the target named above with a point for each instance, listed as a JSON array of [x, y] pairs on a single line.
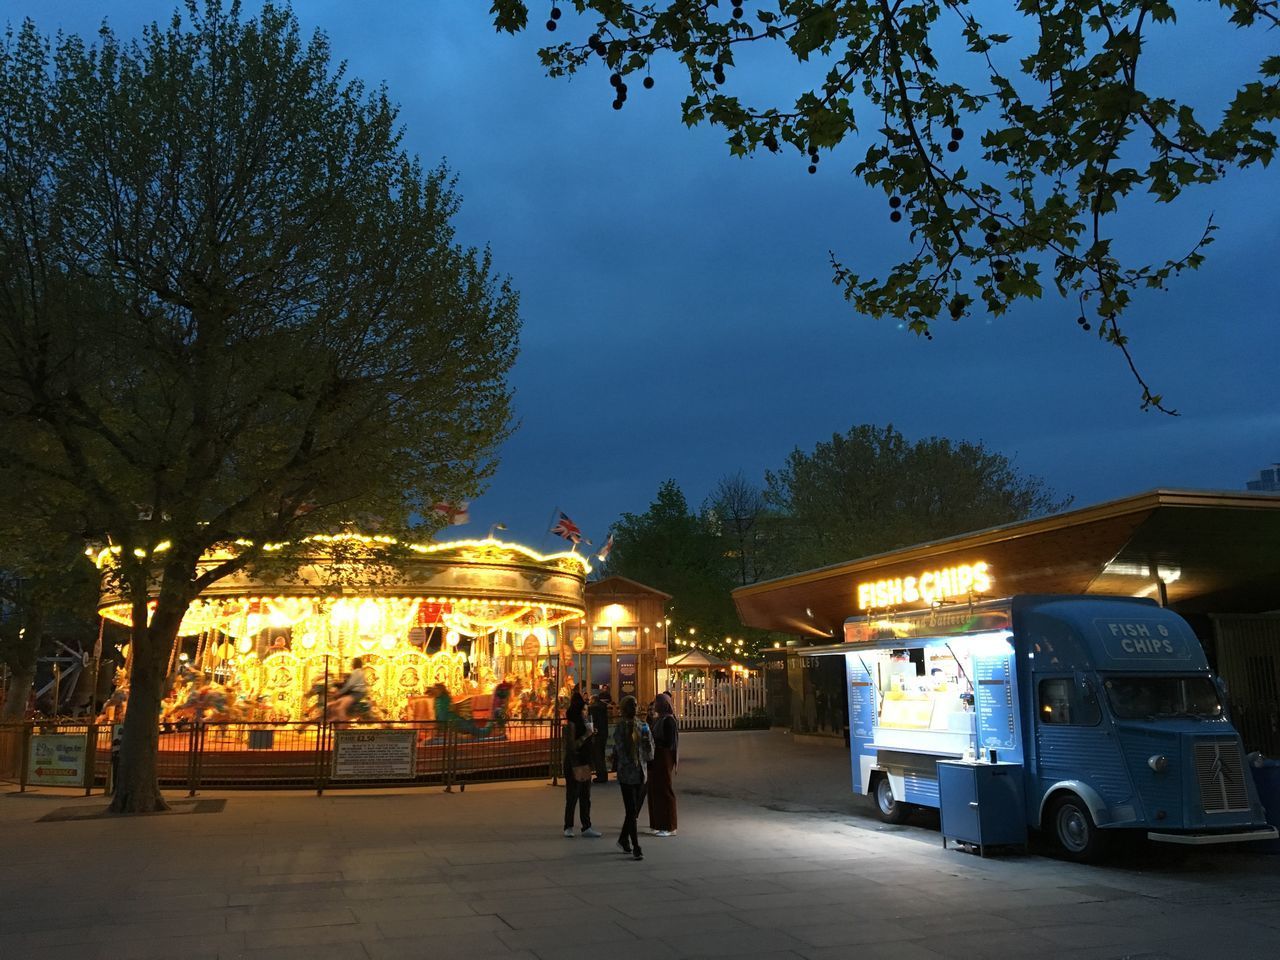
[[713, 705]]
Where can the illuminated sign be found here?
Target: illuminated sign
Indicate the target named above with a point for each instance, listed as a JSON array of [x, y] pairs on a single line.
[[949, 583]]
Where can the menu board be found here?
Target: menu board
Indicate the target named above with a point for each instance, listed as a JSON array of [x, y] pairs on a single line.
[[862, 699], [993, 702], [627, 675]]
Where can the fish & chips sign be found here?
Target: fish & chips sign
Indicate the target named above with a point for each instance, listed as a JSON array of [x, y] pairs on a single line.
[[930, 586]]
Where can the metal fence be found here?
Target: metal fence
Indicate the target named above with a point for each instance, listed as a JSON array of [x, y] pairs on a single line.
[[703, 704], [1248, 655], [306, 754]]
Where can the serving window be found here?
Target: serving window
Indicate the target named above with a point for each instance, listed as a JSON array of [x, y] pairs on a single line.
[[923, 689]]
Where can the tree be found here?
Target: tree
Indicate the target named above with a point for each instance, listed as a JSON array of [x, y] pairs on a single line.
[[680, 552], [232, 308], [870, 491], [1069, 129], [44, 583], [738, 511]]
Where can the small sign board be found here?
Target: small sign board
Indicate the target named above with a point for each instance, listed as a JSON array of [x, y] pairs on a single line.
[[57, 759], [373, 754], [579, 643], [627, 675]]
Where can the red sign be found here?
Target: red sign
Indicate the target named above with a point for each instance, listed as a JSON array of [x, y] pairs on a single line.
[[430, 614]]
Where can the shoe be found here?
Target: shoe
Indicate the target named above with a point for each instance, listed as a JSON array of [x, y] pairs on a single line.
[[636, 854], [662, 833], [569, 832], [624, 847], [592, 833]]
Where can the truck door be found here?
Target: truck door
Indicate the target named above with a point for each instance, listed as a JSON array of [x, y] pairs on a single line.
[[1072, 741]]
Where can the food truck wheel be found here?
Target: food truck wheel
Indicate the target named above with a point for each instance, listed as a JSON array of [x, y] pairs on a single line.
[[1073, 828], [888, 807]]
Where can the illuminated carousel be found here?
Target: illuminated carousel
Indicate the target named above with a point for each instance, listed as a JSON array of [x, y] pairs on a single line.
[[468, 617]]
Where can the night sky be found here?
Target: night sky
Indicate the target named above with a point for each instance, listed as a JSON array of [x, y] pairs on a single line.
[[679, 315]]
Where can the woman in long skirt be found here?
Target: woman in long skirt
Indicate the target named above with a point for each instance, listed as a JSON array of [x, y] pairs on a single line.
[[662, 795]]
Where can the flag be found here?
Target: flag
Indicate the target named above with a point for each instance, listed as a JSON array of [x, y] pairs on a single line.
[[453, 514], [564, 527], [604, 551]]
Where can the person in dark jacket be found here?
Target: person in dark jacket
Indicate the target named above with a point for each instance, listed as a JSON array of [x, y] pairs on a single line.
[[632, 746], [578, 735], [662, 794], [598, 713]]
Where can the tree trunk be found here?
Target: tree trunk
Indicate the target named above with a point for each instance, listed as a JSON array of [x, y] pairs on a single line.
[[137, 784], [24, 666]]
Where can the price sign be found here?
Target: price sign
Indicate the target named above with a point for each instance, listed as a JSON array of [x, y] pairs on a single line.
[[373, 754]]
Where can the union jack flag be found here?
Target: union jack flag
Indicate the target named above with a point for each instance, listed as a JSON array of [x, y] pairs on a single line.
[[454, 514], [564, 527]]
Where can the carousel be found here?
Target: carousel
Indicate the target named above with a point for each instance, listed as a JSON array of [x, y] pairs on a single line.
[[472, 627]]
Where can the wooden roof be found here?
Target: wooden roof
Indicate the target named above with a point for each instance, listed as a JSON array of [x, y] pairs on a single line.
[[1216, 552], [622, 586]]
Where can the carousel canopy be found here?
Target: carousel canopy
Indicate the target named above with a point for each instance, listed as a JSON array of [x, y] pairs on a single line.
[[470, 586]]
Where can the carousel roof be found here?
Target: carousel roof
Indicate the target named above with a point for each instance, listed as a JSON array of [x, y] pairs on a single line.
[[488, 582]]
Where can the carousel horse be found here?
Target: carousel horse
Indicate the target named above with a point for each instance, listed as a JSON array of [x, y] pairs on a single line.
[[445, 713]]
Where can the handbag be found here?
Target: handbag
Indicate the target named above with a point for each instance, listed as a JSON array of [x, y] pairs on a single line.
[[582, 772]]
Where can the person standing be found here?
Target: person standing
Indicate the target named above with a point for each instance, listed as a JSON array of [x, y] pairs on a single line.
[[630, 751], [577, 735], [598, 713], [662, 794]]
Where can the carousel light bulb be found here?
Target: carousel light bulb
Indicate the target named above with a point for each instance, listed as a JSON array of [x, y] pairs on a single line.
[[452, 638], [367, 643], [369, 616], [388, 642], [245, 644], [308, 640]]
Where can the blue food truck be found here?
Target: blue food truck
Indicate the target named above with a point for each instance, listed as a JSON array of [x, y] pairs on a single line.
[[1101, 712]]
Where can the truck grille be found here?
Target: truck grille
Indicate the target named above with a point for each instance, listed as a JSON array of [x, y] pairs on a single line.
[[1220, 770]]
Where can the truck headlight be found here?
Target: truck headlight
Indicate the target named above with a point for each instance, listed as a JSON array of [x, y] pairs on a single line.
[[1158, 762]]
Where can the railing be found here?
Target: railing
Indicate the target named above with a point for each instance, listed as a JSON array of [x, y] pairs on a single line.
[[714, 705], [304, 754]]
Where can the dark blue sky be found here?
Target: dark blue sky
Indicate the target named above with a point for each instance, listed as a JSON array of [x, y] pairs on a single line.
[[679, 316]]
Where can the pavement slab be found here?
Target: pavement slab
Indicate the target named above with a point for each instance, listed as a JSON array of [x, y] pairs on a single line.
[[775, 860]]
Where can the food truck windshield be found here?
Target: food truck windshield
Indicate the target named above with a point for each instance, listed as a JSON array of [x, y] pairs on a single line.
[[1162, 697]]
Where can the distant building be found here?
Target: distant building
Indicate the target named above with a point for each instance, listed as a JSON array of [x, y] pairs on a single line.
[[1268, 480]]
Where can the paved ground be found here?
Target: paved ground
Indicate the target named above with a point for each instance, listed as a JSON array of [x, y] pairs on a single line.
[[773, 860]]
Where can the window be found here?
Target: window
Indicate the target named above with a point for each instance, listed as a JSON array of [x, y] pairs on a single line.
[[601, 673], [1155, 698], [600, 638], [1065, 701], [626, 636]]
